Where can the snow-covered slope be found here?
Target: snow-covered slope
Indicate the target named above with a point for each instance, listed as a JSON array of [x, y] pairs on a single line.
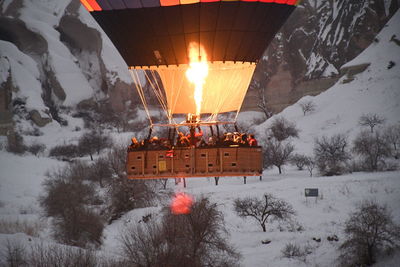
[[376, 90], [63, 53]]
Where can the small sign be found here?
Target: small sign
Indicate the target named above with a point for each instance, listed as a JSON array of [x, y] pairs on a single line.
[[311, 192], [162, 165]]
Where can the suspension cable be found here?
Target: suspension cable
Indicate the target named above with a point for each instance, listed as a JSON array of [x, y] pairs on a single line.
[[140, 91]]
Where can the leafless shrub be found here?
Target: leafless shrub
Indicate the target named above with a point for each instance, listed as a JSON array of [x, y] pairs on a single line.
[[392, 135], [13, 254], [31, 228], [371, 120], [370, 230], [294, 251], [36, 148], [126, 195], [291, 251], [15, 143], [299, 160], [67, 198], [331, 154], [290, 225], [101, 172], [282, 129], [373, 148], [277, 153], [263, 209], [93, 142], [310, 164], [65, 151], [116, 158], [307, 106], [194, 239], [56, 255], [83, 228], [345, 190]]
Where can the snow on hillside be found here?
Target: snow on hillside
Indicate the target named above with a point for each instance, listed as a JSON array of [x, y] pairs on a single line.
[[376, 90], [25, 75], [115, 63], [43, 18]]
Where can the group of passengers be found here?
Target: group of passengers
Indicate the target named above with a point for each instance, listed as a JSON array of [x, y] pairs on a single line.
[[234, 139]]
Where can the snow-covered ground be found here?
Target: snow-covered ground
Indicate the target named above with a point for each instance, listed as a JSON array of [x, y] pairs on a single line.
[[320, 218], [21, 178]]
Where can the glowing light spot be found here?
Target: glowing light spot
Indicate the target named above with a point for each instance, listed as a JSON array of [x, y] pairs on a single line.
[[197, 72], [181, 204]]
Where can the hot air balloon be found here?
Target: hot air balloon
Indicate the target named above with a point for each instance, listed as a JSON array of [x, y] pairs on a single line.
[[198, 56]]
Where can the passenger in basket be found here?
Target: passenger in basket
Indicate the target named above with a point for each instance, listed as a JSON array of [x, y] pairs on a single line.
[[134, 145], [252, 140], [197, 138], [154, 143], [182, 140], [245, 141], [228, 140]]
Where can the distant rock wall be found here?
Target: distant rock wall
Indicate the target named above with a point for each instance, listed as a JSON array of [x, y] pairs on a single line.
[[306, 55], [285, 95]]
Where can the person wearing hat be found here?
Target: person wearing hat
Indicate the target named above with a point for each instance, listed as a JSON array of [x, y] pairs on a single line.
[[252, 140]]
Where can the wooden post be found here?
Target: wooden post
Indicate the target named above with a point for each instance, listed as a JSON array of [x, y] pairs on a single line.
[[157, 171], [142, 154], [221, 168], [244, 179], [206, 162]]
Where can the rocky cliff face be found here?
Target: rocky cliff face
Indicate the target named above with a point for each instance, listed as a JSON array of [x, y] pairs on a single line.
[[319, 37], [60, 50]]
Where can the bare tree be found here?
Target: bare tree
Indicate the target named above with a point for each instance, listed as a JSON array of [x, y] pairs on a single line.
[[263, 104], [67, 199], [299, 160], [13, 254], [370, 230], [310, 164], [392, 134], [371, 120], [100, 171], [36, 148], [56, 255], [92, 142], [194, 239], [373, 148], [263, 209], [307, 106], [64, 152], [277, 153], [282, 129], [331, 154]]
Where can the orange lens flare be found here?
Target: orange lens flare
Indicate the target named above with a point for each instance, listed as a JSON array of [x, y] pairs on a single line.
[[197, 72], [181, 204]]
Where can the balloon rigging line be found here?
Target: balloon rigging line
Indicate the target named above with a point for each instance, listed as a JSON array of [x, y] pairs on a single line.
[[140, 91]]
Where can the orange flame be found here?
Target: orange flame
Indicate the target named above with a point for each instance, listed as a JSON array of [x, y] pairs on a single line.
[[197, 72], [181, 204]]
